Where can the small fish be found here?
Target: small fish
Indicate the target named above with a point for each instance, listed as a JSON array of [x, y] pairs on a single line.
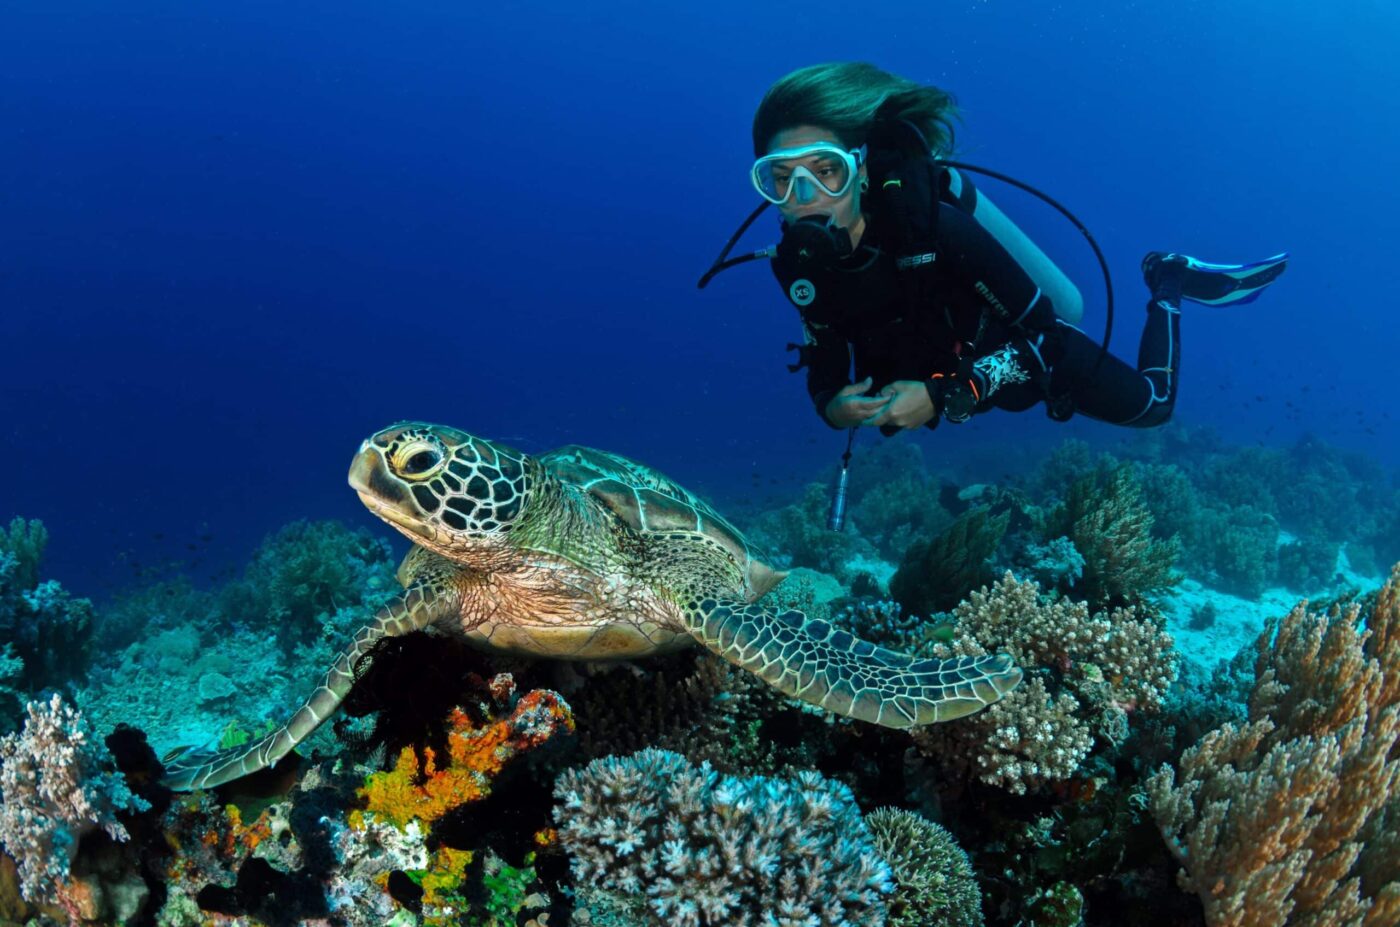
[[942, 632]]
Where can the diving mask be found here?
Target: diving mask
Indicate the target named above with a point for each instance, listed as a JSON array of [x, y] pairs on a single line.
[[804, 172]]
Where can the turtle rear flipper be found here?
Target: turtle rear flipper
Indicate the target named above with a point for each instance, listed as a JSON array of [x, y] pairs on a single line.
[[809, 659], [419, 606]]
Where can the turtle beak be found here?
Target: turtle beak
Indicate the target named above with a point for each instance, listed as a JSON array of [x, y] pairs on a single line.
[[383, 495], [367, 471]]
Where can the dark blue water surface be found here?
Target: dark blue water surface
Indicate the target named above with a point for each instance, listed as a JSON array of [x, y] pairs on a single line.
[[235, 239]]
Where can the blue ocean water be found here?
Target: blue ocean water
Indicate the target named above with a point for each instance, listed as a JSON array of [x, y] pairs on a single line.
[[236, 239]]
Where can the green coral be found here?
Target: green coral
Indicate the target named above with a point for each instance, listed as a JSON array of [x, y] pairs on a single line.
[[307, 572], [938, 574], [506, 888], [894, 498], [797, 535], [49, 631], [934, 882], [1104, 515], [1060, 905]]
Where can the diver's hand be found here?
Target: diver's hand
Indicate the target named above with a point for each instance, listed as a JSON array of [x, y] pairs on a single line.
[[909, 405], [851, 407]]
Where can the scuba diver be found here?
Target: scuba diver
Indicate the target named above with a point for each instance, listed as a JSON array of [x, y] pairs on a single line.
[[900, 266]]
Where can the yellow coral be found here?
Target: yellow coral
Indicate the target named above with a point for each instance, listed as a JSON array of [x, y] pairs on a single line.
[[475, 756], [445, 875]]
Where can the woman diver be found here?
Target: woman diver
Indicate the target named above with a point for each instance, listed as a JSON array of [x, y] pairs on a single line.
[[896, 262]]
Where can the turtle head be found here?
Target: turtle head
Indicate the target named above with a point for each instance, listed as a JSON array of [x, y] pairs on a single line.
[[448, 490]]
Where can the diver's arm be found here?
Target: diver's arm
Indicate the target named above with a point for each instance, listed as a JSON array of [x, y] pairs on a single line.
[[827, 357], [1068, 301]]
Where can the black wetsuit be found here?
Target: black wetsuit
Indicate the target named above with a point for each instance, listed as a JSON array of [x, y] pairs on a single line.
[[987, 310]]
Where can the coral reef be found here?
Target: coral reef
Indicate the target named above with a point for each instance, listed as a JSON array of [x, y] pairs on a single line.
[[894, 499], [185, 677], [706, 849], [934, 882], [1104, 516], [47, 633], [57, 785], [1106, 665], [426, 791], [692, 703], [430, 800], [1287, 818], [937, 574], [797, 535], [307, 572]]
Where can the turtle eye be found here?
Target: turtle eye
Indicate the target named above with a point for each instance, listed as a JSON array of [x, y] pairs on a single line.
[[418, 461], [421, 462]]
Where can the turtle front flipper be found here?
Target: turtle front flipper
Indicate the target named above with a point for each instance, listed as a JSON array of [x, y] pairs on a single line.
[[419, 606], [809, 659]]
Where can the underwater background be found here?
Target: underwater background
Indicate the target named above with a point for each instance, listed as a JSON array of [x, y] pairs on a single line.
[[236, 240]]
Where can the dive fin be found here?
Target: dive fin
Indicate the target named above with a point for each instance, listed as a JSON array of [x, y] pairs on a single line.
[[1213, 284]]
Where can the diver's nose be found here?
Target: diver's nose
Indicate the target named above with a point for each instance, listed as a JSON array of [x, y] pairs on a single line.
[[803, 190]]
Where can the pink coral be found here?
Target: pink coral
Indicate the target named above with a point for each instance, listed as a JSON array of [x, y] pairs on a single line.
[[1290, 817]]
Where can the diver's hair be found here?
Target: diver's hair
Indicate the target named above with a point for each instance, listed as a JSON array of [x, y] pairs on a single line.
[[844, 97]]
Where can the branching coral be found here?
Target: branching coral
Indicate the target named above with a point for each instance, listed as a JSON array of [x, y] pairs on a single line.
[[1110, 664], [304, 574], [47, 631], [56, 784], [1284, 819], [934, 882], [706, 849], [936, 574], [1104, 516]]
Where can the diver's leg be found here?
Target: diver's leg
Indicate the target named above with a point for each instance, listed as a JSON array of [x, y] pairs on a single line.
[[1113, 391]]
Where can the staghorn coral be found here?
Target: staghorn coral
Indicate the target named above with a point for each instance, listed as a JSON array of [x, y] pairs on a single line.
[[1104, 516], [56, 785], [1029, 738], [934, 882], [1287, 818], [706, 849], [1110, 664]]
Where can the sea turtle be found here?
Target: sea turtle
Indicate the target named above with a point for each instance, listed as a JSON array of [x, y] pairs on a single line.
[[585, 555]]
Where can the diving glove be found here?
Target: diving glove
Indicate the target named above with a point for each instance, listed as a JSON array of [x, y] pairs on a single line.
[[976, 382]]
